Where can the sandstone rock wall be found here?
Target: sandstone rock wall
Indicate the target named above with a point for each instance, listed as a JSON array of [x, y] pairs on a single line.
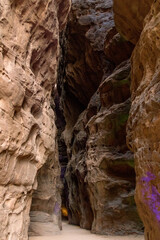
[[94, 86], [144, 123], [84, 38], [110, 165], [100, 173], [29, 48], [80, 209], [129, 17]]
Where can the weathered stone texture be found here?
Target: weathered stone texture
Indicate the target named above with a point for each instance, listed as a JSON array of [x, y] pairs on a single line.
[[29, 48], [88, 24], [144, 122], [129, 17], [80, 211], [100, 172], [110, 165], [116, 48]]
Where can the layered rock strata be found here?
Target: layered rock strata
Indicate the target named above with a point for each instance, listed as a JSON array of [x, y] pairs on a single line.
[[29, 48]]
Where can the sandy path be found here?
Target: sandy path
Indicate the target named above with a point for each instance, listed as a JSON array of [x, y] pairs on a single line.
[[75, 233]]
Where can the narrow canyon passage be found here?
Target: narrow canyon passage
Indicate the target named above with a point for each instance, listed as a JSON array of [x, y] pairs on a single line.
[[92, 102], [79, 119], [71, 232]]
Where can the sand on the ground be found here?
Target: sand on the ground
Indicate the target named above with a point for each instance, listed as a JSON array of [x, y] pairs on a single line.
[[71, 232]]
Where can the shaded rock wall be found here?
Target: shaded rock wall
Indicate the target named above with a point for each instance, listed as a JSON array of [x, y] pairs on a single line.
[[62, 149], [80, 211], [85, 34], [100, 172], [29, 48]]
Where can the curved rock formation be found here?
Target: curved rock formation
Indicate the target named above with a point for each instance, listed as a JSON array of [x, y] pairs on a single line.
[[29, 48], [116, 48], [83, 43], [110, 165], [94, 77], [100, 172], [88, 24], [129, 17], [144, 123]]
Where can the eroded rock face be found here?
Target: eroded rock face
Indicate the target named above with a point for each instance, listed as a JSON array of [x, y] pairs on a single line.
[[28, 67], [129, 17], [116, 48], [88, 24], [92, 49], [100, 172], [144, 122], [85, 61], [80, 210], [110, 165]]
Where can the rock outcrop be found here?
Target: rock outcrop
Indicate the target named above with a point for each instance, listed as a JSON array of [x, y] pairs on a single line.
[[144, 122], [29, 48], [100, 172]]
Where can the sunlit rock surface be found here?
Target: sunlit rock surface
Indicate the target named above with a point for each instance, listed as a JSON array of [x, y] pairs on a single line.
[[29, 48], [144, 122]]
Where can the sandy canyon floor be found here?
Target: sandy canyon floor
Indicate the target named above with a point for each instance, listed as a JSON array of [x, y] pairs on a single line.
[[70, 232]]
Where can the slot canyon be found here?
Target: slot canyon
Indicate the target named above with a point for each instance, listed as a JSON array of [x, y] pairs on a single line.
[[79, 118]]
